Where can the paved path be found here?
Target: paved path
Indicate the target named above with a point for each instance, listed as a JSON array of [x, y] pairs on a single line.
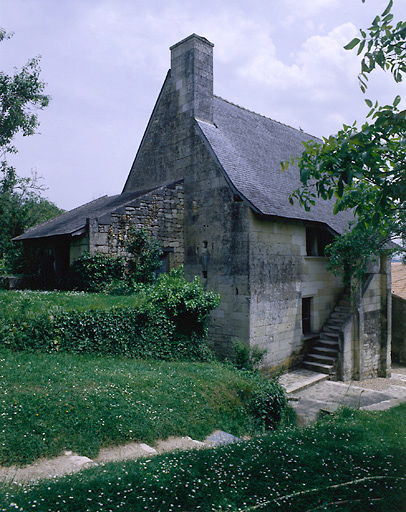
[[71, 462], [310, 393]]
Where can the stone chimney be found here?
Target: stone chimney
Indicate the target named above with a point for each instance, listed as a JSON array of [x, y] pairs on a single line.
[[192, 73]]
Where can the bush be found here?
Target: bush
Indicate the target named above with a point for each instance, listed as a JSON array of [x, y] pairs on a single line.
[[95, 272], [268, 403], [186, 303], [247, 357], [99, 272], [168, 321]]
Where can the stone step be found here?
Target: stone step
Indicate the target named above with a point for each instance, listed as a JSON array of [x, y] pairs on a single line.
[[316, 367], [342, 309], [331, 328], [338, 315], [328, 343], [321, 359], [325, 351], [344, 303], [325, 335], [335, 321]]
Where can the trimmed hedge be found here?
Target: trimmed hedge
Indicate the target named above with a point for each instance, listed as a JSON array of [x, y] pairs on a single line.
[[168, 322]]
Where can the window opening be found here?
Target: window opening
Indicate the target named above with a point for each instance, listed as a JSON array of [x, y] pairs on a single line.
[[307, 315]]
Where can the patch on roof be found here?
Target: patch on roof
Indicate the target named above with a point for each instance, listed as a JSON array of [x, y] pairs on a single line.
[[250, 149]]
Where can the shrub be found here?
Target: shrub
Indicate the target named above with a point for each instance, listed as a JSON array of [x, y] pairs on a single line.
[[268, 403], [186, 303], [95, 272], [168, 321], [247, 357]]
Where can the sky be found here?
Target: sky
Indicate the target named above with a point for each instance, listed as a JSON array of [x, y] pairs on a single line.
[[104, 63]]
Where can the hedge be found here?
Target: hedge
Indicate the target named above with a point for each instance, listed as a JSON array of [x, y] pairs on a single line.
[[168, 322]]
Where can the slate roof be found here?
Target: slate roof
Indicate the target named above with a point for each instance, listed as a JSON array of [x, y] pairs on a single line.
[[75, 220], [250, 149]]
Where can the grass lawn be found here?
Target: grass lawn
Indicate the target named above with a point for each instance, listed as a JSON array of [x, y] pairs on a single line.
[[23, 304], [56, 402], [354, 461]]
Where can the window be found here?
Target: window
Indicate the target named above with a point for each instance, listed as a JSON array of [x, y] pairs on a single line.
[[316, 241], [307, 315]]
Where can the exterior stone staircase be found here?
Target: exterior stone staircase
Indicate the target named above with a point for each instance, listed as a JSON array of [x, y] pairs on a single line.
[[323, 354]]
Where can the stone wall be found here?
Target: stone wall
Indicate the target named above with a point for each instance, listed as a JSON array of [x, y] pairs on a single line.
[[281, 275], [398, 329], [215, 219], [78, 246], [160, 212], [216, 248], [366, 337]]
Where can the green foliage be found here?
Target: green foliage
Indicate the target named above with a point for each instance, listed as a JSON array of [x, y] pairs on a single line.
[[383, 45], [354, 461], [20, 203], [364, 169], [20, 94], [247, 357], [95, 272], [186, 303], [21, 207], [57, 402], [99, 272], [166, 321], [145, 256], [268, 403], [351, 253]]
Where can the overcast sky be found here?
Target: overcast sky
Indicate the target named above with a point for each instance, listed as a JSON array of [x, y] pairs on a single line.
[[104, 62]]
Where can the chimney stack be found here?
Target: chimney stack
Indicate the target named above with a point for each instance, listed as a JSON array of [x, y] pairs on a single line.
[[192, 73]]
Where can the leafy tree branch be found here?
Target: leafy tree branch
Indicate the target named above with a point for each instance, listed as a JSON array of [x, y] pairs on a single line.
[[21, 205], [364, 169]]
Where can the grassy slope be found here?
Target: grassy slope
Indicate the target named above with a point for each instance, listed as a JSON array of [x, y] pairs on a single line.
[[53, 402], [354, 461]]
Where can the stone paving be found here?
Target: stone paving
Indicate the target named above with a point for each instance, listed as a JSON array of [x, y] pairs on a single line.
[[70, 462], [310, 394]]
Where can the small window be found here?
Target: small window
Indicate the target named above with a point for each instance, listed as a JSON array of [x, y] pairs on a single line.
[[317, 240], [311, 242], [307, 315]]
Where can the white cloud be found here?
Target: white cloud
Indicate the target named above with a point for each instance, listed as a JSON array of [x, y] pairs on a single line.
[[105, 61], [318, 64]]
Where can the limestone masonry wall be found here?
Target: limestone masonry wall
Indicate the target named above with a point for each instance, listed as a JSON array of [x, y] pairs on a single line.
[[281, 275], [160, 212], [366, 343]]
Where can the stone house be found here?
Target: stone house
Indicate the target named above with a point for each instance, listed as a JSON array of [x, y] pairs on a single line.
[[207, 181]]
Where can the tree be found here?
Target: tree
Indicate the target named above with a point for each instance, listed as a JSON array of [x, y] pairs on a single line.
[[19, 95], [364, 169], [21, 205]]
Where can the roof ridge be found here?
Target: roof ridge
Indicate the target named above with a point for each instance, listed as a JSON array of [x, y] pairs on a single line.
[[265, 117]]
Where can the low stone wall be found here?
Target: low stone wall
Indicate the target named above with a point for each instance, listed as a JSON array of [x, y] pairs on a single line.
[[398, 329]]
